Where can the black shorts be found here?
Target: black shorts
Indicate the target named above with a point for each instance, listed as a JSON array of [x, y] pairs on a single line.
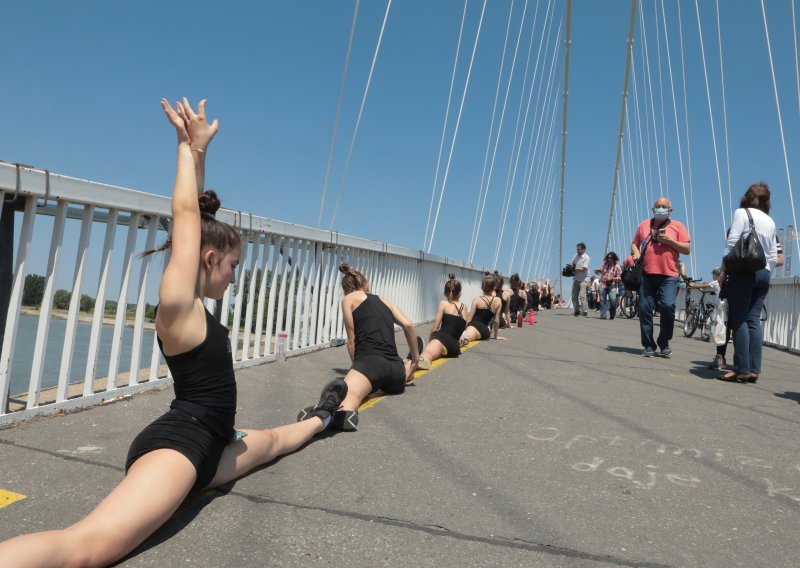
[[482, 328], [451, 345], [180, 431], [388, 375]]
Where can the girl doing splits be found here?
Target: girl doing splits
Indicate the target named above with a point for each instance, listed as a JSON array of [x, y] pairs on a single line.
[[194, 445], [369, 322], [448, 326]]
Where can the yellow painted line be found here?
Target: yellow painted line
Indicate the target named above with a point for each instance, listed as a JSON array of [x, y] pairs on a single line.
[[373, 400], [8, 497]]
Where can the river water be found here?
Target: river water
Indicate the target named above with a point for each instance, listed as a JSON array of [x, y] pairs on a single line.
[[26, 341]]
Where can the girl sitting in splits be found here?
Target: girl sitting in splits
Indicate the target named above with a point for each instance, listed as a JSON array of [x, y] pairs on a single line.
[[517, 299], [504, 296], [448, 326], [484, 318], [193, 446], [369, 322]]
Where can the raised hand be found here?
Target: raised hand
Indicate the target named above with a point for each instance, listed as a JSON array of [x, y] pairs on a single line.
[[200, 131], [176, 120]]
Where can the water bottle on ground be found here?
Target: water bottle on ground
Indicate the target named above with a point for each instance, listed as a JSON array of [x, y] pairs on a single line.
[[337, 341], [519, 318], [280, 347], [531, 317]]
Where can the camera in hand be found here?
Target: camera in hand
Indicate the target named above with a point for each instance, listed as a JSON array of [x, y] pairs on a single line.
[[568, 271]]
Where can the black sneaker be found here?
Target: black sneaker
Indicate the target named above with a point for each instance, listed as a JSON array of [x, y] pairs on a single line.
[[332, 396], [420, 346], [345, 420], [717, 363]]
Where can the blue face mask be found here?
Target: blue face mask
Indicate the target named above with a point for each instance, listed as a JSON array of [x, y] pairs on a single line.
[[661, 213]]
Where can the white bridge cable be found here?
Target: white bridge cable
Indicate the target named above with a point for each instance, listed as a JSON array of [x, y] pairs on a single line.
[[780, 123], [638, 194], [549, 218], [512, 173], [360, 114], [500, 126], [458, 123], [646, 60], [647, 172], [529, 167], [661, 98], [543, 179], [523, 90], [473, 236], [677, 128], [546, 176], [724, 112], [338, 114], [711, 117], [476, 231], [505, 100], [688, 140], [532, 157], [444, 128]]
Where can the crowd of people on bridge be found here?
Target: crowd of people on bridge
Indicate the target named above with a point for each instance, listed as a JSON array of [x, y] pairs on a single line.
[[654, 270]]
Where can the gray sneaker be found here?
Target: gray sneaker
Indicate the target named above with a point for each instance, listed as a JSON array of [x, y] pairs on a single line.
[[666, 352], [648, 352]]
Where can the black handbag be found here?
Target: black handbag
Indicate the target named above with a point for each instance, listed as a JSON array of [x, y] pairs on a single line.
[[632, 275], [747, 255]]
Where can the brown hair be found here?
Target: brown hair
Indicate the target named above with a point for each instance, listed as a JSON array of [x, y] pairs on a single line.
[[757, 197], [487, 285], [452, 288], [498, 282], [353, 280], [515, 282], [213, 234], [534, 287]]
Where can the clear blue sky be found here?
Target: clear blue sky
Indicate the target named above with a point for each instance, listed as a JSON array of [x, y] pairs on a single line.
[[82, 81]]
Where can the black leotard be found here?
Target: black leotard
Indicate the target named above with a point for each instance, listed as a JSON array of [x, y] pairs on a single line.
[[374, 327], [200, 421], [376, 352], [452, 325], [516, 303], [484, 315]]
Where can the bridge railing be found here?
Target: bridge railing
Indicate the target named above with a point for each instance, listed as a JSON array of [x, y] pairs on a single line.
[[288, 281], [782, 326]]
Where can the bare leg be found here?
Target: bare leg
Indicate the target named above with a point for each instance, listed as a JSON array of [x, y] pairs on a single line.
[[472, 334], [358, 388], [433, 350], [150, 493], [263, 446]]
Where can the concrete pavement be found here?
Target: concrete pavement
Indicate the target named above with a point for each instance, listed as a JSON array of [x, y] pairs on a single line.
[[561, 446]]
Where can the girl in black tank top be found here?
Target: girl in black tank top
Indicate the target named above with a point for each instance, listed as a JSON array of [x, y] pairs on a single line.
[[194, 445], [484, 314], [448, 326], [369, 322]]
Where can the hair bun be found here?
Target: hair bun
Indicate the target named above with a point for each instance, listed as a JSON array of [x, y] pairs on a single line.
[[451, 276], [344, 268], [496, 273], [487, 273], [209, 202]]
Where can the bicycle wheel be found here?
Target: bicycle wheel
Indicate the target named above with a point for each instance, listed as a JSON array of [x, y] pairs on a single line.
[[690, 324], [705, 326]]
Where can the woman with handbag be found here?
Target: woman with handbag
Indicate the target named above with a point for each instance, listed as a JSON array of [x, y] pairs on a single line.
[[749, 256]]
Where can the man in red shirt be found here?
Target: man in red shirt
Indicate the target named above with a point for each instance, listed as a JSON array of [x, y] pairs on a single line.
[[660, 240]]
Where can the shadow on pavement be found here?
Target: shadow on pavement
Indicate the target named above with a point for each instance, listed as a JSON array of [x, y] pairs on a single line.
[[795, 396], [620, 349]]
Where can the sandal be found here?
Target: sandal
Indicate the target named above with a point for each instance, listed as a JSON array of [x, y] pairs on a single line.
[[752, 378]]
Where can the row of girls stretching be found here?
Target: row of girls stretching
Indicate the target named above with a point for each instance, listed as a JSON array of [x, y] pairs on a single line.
[[195, 445]]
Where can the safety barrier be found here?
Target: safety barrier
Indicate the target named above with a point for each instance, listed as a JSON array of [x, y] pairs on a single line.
[[782, 326], [287, 281]]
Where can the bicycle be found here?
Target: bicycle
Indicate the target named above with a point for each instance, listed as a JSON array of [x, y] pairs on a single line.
[[698, 314], [629, 304]]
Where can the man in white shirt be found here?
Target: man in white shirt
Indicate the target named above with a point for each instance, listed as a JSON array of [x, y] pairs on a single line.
[[580, 283]]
